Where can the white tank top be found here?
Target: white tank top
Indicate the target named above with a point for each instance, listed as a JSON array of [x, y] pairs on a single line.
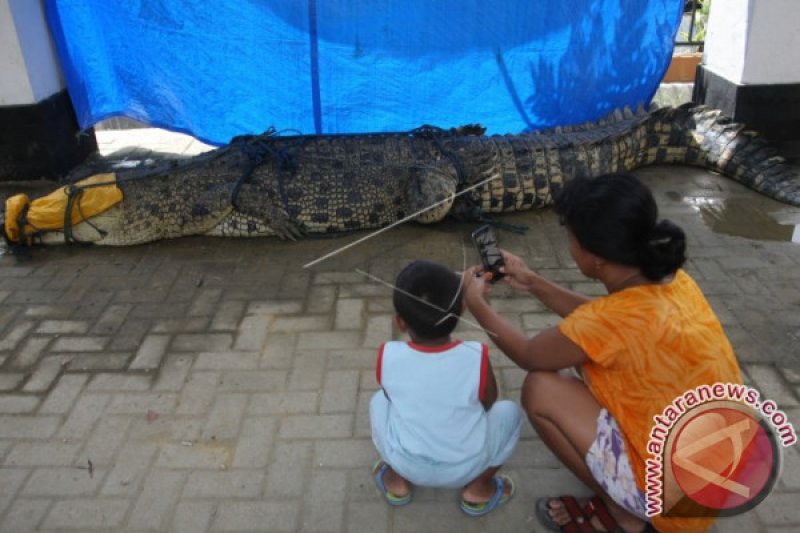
[[435, 409]]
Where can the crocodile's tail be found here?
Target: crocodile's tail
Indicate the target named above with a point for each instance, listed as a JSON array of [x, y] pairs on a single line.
[[699, 136]]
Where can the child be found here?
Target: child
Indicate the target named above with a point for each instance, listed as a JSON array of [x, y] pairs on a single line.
[[435, 422]]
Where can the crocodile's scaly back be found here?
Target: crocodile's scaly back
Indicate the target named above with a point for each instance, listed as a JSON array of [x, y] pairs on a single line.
[[529, 170], [291, 186]]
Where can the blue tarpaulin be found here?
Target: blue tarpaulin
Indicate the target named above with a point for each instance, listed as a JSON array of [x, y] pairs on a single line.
[[217, 69]]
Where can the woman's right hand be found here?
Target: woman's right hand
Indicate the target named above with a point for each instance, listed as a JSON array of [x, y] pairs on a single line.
[[474, 282], [518, 275]]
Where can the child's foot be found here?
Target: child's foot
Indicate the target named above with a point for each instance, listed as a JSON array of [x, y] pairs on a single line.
[[483, 492], [558, 513], [475, 502], [394, 488]]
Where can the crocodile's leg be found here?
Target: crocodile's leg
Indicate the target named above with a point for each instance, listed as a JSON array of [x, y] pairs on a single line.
[[256, 202], [431, 192], [236, 224]]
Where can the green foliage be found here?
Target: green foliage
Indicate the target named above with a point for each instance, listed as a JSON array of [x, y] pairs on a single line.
[[700, 22]]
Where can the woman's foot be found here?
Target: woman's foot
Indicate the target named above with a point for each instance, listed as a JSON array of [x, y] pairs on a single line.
[[556, 513]]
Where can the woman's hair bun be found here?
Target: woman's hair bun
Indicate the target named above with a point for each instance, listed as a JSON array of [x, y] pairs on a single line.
[[615, 217], [664, 252]]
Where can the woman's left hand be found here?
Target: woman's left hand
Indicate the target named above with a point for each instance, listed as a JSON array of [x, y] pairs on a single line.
[[475, 284]]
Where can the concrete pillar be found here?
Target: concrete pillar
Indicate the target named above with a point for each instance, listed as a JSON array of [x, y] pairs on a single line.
[[39, 135], [750, 68]]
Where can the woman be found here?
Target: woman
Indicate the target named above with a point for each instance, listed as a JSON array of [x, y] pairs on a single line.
[[652, 338]]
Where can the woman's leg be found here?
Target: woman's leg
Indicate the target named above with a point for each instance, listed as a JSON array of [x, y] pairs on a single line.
[[564, 414]]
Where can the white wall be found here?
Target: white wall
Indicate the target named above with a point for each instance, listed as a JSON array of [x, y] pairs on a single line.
[[726, 38], [751, 42], [773, 50], [28, 62], [15, 88]]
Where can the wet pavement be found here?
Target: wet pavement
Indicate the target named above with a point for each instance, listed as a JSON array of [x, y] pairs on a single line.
[[205, 384]]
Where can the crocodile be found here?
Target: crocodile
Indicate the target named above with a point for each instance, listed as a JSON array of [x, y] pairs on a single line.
[[291, 186]]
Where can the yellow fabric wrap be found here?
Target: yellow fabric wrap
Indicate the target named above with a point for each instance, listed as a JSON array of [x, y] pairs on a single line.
[[99, 193]]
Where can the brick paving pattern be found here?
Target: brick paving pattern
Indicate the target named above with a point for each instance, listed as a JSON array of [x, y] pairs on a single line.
[[206, 384]]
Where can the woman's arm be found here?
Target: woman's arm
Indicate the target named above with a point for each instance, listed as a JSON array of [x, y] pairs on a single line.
[[558, 299], [549, 350]]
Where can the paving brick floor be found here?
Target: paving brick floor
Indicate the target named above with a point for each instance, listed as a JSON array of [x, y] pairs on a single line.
[[206, 384]]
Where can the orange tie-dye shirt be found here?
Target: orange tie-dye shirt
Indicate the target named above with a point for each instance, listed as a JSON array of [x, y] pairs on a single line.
[[647, 345]]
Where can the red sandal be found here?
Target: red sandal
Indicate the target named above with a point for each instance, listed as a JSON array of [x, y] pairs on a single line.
[[580, 518]]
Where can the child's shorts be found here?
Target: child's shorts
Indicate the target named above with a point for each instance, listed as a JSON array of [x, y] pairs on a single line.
[[610, 466], [504, 419]]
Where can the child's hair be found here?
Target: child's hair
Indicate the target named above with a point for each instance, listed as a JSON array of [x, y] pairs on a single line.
[[615, 217], [427, 296]]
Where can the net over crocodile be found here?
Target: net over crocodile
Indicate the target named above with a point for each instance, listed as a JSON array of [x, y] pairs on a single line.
[[299, 185]]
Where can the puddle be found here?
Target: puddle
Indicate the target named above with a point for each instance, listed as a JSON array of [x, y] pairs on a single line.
[[132, 163], [742, 217]]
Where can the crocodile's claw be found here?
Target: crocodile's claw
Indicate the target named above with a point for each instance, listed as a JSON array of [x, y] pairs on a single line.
[[287, 230]]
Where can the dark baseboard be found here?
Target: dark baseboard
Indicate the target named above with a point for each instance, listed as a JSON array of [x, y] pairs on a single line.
[[43, 140], [772, 110]]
